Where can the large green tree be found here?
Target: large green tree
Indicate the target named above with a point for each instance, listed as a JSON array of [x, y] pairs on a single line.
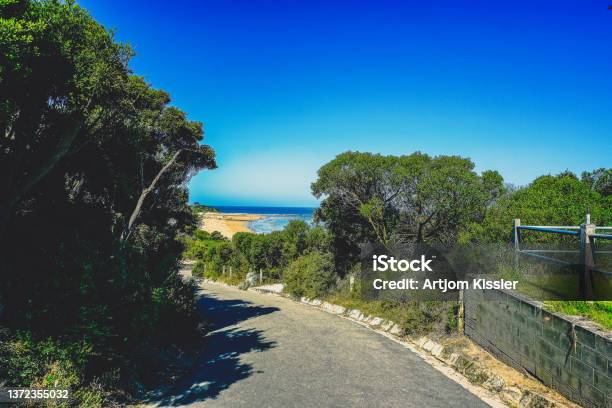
[[391, 199], [599, 180], [548, 200], [93, 166], [61, 78]]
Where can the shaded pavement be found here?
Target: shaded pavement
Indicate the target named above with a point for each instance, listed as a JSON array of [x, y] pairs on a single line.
[[267, 351]]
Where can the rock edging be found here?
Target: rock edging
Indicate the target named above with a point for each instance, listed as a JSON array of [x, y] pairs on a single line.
[[472, 370]]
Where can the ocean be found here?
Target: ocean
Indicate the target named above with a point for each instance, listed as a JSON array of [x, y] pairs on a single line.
[[276, 218]]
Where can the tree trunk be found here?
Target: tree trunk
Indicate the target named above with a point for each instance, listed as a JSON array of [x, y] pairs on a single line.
[[138, 208]]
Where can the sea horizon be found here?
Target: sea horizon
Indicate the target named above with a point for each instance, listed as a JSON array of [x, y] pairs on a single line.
[[275, 218], [265, 210]]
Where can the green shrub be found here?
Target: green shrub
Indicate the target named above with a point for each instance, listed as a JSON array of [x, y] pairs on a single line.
[[92, 396], [48, 364], [429, 317], [217, 236], [201, 235], [310, 275], [198, 269]]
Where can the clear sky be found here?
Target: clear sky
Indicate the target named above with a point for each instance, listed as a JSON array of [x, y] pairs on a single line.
[[522, 87]]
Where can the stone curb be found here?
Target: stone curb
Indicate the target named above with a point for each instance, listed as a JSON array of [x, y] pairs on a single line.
[[473, 371], [263, 291]]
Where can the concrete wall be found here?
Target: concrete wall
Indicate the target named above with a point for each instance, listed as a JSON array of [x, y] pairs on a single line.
[[565, 353]]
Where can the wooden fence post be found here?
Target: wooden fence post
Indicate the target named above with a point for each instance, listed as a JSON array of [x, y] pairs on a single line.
[[587, 260], [230, 271], [516, 233], [461, 313], [260, 276], [516, 239]]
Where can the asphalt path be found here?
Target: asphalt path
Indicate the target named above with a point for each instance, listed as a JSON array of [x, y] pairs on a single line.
[[268, 351]]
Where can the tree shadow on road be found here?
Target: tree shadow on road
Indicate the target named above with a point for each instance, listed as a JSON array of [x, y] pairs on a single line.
[[219, 366]]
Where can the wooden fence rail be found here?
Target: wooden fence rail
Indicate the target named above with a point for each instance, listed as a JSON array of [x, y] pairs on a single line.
[[587, 236]]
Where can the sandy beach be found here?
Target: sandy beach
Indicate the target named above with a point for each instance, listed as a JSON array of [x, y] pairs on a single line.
[[227, 224]]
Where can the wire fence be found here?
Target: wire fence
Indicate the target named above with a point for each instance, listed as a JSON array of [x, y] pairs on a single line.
[[587, 236]]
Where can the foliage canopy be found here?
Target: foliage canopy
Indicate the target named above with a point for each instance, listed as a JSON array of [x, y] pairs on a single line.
[[93, 166]]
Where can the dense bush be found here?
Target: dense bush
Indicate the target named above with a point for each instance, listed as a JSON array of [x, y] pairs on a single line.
[[200, 244], [311, 275], [548, 200], [251, 252], [94, 165], [392, 199], [48, 363], [414, 317]]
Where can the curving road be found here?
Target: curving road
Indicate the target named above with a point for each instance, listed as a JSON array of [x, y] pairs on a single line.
[[267, 351]]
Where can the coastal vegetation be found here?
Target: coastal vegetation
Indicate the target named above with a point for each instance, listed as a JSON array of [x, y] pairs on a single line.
[[562, 199], [395, 199], [310, 275], [273, 253], [402, 199], [200, 208], [93, 168], [94, 217]]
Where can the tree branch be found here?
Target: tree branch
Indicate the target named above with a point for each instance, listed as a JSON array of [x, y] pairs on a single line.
[[137, 209]]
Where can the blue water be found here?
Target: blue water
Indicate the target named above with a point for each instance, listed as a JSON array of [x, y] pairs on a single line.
[[276, 218]]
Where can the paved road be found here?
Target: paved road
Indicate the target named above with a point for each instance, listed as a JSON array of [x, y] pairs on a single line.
[[267, 351]]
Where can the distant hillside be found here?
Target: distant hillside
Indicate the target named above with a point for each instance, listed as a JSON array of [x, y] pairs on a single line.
[[203, 208]]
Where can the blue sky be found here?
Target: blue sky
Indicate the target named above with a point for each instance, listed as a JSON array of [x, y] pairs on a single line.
[[521, 87]]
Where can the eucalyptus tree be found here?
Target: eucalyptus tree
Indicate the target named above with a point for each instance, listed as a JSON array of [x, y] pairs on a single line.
[[561, 199], [94, 165], [599, 180], [442, 195], [391, 199], [61, 75]]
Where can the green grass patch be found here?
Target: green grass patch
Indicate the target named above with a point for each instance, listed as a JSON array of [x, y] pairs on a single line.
[[599, 312], [413, 317]]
